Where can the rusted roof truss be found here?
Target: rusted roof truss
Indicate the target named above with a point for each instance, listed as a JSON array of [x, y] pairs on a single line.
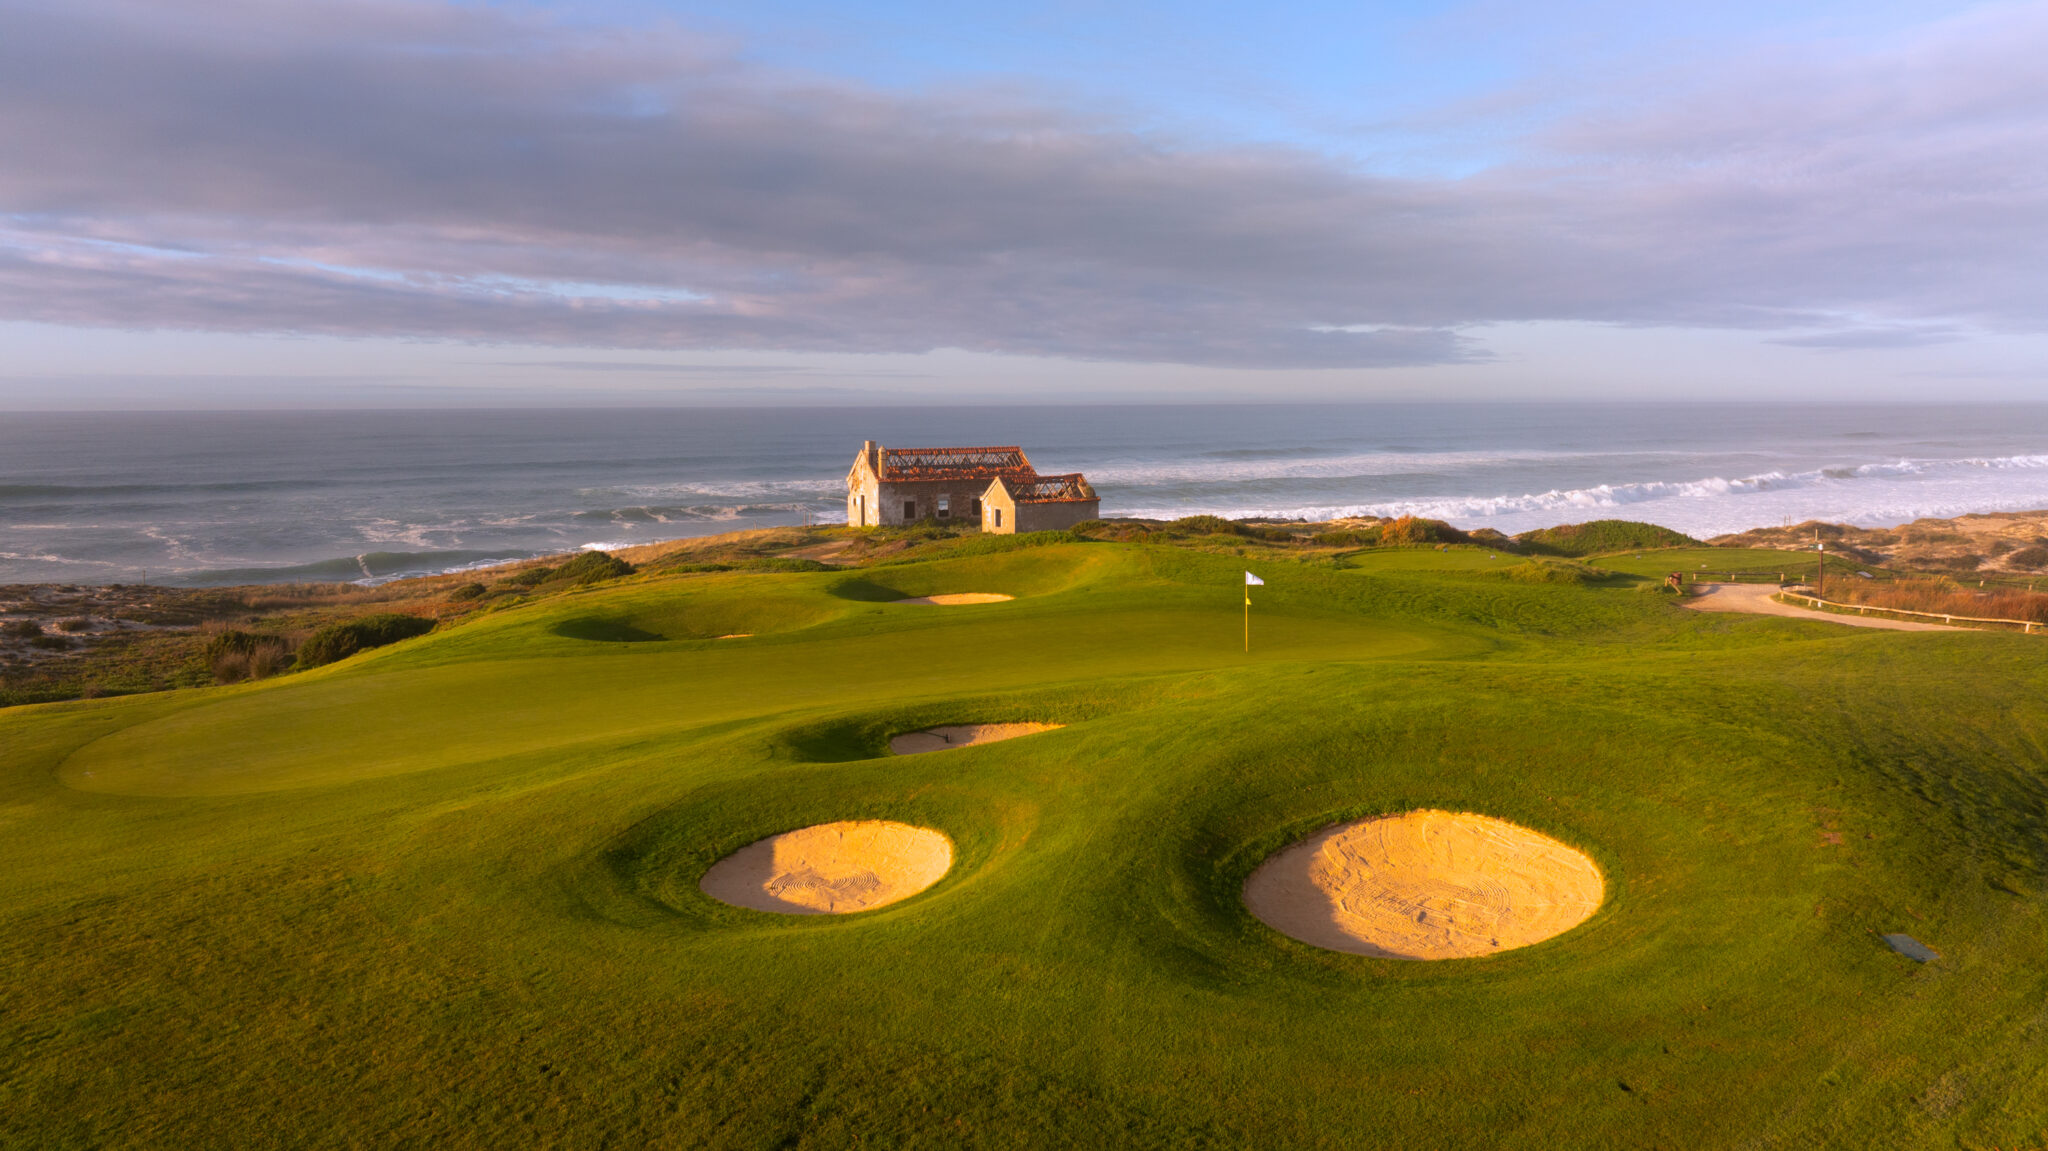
[[954, 463], [1051, 489]]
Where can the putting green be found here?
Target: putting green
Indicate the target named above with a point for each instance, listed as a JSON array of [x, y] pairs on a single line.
[[450, 892]]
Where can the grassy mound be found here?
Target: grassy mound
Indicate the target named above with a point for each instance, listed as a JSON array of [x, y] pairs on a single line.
[[449, 895], [1595, 537]]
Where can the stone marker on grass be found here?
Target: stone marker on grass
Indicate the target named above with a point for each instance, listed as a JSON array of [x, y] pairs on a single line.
[[1911, 948]]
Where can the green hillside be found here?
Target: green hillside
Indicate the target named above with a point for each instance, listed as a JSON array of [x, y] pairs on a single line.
[[1595, 537], [444, 892]]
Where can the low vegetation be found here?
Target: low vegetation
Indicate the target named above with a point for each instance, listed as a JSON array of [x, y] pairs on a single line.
[[1943, 597], [234, 656], [339, 641], [1598, 537], [2010, 545]]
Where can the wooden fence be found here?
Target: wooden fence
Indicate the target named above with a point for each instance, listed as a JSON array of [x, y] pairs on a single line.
[[2026, 626]]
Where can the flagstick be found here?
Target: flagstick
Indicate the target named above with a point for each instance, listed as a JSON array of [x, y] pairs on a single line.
[[1247, 621]]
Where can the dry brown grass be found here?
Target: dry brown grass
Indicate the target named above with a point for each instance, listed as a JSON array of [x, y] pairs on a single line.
[[1944, 597]]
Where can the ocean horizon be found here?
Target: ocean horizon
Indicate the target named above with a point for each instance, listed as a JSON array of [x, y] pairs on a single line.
[[209, 498]]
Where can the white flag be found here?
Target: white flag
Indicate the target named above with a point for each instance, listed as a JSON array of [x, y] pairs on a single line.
[[1251, 580]]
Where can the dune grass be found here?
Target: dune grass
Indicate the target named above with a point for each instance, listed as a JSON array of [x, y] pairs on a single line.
[[444, 892]]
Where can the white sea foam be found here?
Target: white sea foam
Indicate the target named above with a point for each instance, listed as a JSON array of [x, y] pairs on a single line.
[[1354, 465], [1870, 494], [684, 492], [524, 485]]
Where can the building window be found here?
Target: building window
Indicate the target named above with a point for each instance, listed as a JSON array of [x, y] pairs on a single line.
[[999, 517], [863, 520], [909, 510], [945, 506]]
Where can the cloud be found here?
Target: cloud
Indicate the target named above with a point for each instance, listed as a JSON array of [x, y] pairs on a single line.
[[479, 173], [1848, 339], [636, 367]]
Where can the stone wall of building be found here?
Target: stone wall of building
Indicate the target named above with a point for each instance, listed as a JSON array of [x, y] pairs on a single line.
[[1002, 514], [876, 502], [1056, 516]]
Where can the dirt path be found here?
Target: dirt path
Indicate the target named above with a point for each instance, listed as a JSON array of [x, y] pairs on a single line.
[[824, 553], [1755, 599]]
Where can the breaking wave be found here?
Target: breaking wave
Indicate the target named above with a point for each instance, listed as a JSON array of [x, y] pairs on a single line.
[[1872, 494]]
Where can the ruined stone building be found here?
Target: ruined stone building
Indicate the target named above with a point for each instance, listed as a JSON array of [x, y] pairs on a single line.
[[995, 487], [1038, 503]]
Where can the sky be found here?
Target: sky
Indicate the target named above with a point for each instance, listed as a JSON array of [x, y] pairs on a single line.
[[393, 203]]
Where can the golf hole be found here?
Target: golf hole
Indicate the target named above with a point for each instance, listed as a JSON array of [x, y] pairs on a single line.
[[1425, 885], [959, 599], [831, 868], [963, 735]]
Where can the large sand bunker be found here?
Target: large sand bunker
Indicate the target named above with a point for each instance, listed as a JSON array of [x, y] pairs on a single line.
[[1425, 885], [956, 599], [963, 735], [831, 868]]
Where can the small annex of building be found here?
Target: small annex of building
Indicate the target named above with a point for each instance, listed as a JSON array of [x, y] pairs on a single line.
[[996, 487]]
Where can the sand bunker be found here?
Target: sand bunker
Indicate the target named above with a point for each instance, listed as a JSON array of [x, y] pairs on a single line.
[[955, 599], [831, 868], [964, 735], [1425, 885]]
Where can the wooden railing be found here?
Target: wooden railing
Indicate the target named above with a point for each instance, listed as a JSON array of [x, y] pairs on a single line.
[[2026, 626]]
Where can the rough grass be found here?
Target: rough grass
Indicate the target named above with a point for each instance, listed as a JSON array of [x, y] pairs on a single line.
[[444, 893], [1596, 537], [339, 641], [1943, 597]]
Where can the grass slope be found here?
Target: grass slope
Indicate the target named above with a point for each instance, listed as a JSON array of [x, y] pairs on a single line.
[[1596, 536], [444, 893]]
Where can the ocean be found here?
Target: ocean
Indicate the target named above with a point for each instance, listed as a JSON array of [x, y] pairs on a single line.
[[195, 498]]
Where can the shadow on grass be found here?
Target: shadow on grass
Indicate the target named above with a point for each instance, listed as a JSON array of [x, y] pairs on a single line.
[[604, 631], [867, 591]]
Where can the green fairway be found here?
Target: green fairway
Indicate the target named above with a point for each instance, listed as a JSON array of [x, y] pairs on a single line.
[[1429, 559], [1689, 560], [445, 893]]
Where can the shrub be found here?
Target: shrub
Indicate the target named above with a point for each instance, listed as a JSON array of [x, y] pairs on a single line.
[[591, 567], [21, 628], [342, 640], [75, 624], [1358, 538], [1538, 571], [1416, 530], [467, 592], [1205, 526], [1120, 531], [1597, 536], [234, 656], [50, 642], [2029, 557], [531, 576]]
